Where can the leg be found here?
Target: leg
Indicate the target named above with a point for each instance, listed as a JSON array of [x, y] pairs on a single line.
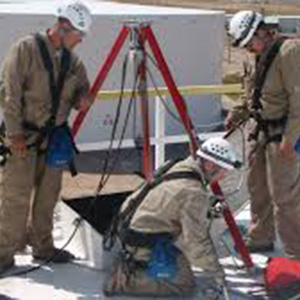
[[262, 230], [48, 185], [16, 189], [140, 284], [285, 181]]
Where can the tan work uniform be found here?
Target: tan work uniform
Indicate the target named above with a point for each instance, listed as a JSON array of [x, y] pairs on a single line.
[[29, 189], [274, 182], [178, 207]]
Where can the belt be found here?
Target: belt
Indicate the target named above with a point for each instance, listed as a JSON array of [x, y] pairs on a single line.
[[135, 238]]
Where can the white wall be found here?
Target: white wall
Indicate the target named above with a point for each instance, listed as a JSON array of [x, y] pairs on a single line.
[[191, 40]]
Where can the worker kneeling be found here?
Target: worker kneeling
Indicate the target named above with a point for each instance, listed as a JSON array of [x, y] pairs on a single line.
[[172, 209]]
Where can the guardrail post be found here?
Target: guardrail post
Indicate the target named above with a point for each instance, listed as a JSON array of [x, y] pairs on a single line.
[[159, 132]]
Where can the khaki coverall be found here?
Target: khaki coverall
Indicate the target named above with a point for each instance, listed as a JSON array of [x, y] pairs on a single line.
[[29, 189], [178, 207], [274, 182]]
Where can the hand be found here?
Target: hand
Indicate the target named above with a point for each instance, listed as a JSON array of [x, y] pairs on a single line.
[[287, 150], [17, 145], [229, 122], [85, 103]]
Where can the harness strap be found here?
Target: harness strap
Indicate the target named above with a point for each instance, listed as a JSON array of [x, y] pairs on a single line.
[[265, 125], [262, 67], [134, 238], [126, 215], [122, 219], [55, 89]]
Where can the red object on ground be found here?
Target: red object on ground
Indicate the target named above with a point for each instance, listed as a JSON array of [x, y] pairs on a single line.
[[282, 272]]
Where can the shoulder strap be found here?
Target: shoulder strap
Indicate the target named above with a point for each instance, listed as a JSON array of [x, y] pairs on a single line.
[[123, 218], [128, 213], [48, 64], [262, 68], [183, 175]]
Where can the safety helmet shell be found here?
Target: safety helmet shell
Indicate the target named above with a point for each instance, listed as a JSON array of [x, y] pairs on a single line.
[[243, 25], [77, 13], [220, 152]]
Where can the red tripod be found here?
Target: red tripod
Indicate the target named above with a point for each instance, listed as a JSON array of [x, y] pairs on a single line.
[[140, 33]]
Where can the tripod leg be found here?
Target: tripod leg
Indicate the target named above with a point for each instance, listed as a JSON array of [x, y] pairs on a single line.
[[182, 110], [177, 98], [142, 91], [234, 230], [101, 76]]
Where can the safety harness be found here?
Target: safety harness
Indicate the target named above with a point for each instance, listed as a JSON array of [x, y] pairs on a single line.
[[262, 67], [4, 150], [162, 263], [61, 146], [121, 222]]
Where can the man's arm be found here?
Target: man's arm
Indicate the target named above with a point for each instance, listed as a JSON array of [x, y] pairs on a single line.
[[195, 229], [14, 70], [81, 100], [240, 113], [290, 60]]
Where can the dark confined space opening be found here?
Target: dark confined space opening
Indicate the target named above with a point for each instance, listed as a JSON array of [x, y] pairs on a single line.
[[98, 211]]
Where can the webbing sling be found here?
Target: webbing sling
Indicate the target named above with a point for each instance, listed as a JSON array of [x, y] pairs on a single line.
[[139, 239], [122, 220], [128, 213], [55, 89], [263, 65]]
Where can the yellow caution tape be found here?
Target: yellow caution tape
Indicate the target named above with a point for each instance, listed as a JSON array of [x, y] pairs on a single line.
[[184, 91]]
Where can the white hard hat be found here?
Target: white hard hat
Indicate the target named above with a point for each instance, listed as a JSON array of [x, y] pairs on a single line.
[[220, 152], [77, 13], [242, 26]]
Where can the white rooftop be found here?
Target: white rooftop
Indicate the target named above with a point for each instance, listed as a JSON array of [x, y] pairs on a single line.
[[98, 8], [79, 280], [83, 279]]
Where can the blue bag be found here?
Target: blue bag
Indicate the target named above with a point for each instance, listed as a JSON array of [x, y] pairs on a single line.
[[297, 146], [163, 260], [61, 148]]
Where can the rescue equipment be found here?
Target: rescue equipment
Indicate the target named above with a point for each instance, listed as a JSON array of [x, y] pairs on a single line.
[[163, 260], [146, 34], [4, 150], [272, 128], [262, 67], [121, 222], [282, 278], [297, 146], [61, 147]]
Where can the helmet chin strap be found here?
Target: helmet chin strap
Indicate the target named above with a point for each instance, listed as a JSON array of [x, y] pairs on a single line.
[[212, 174], [208, 175], [61, 33]]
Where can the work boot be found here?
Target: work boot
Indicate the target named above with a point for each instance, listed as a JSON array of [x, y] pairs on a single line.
[[108, 289], [55, 256], [254, 247], [214, 293], [5, 266]]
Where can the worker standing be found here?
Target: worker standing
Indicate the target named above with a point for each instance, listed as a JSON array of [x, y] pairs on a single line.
[[41, 81], [272, 102]]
